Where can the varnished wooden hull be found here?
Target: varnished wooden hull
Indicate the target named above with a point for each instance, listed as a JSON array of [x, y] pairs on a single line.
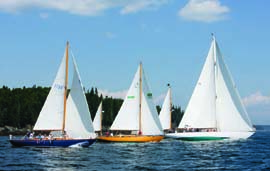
[[131, 138]]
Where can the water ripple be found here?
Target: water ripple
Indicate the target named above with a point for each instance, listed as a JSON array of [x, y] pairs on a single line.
[[251, 154]]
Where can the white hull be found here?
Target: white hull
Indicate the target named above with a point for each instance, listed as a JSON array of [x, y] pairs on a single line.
[[209, 135]]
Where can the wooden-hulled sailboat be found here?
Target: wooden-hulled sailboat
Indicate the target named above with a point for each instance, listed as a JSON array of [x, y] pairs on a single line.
[[97, 123], [67, 121], [215, 110], [165, 115], [137, 119]]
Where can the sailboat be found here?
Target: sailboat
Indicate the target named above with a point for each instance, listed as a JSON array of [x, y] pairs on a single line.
[[97, 123], [215, 110], [137, 119], [165, 115], [67, 121]]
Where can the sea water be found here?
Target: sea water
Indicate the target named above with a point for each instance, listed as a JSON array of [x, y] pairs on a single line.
[[250, 154]]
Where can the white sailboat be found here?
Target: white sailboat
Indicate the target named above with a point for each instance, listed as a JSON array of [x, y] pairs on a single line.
[[67, 119], [165, 114], [97, 123], [137, 119], [215, 110]]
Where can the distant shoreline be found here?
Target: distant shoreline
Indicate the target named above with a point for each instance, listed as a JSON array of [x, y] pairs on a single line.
[[9, 130]]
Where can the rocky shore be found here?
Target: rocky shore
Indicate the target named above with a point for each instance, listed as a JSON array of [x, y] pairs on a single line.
[[7, 130]]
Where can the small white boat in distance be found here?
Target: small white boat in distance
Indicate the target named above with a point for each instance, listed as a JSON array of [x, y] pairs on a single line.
[[165, 115], [215, 110], [97, 123]]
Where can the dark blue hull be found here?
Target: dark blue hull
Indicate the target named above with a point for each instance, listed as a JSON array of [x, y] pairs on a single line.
[[52, 143]]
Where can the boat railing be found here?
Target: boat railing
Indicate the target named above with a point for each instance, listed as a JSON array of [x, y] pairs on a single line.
[[120, 133], [180, 130], [41, 137]]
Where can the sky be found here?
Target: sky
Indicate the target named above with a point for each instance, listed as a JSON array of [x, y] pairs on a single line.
[[110, 37]]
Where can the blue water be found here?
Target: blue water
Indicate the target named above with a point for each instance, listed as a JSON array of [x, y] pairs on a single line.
[[251, 154]]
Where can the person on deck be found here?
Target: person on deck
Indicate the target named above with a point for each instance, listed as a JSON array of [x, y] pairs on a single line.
[[31, 135]]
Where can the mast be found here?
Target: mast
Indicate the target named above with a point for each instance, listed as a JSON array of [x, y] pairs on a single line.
[[170, 106], [215, 74], [101, 117], [140, 102], [65, 92]]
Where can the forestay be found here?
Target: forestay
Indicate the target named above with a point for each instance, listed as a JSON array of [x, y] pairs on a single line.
[[78, 118], [150, 121], [231, 113]]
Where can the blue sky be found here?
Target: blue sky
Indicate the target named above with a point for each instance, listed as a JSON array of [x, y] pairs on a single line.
[[110, 38]]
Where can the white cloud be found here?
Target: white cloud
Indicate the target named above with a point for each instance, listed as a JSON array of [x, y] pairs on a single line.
[[138, 5], [81, 7], [117, 94], [204, 11], [258, 107], [110, 35], [256, 99]]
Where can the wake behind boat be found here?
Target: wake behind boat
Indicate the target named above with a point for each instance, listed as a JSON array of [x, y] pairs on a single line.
[[215, 110], [137, 120], [66, 121]]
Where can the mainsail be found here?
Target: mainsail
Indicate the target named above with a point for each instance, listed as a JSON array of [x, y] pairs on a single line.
[[128, 116], [165, 113], [200, 112], [215, 102], [51, 115], [78, 118], [98, 119]]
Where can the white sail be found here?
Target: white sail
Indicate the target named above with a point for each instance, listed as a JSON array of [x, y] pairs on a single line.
[[97, 120], [51, 115], [200, 112], [231, 113], [215, 102], [78, 118], [165, 113], [150, 123], [127, 117]]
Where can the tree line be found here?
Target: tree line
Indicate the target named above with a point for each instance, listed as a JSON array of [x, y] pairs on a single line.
[[20, 107]]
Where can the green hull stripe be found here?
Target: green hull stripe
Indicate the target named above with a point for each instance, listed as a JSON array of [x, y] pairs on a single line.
[[202, 138]]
